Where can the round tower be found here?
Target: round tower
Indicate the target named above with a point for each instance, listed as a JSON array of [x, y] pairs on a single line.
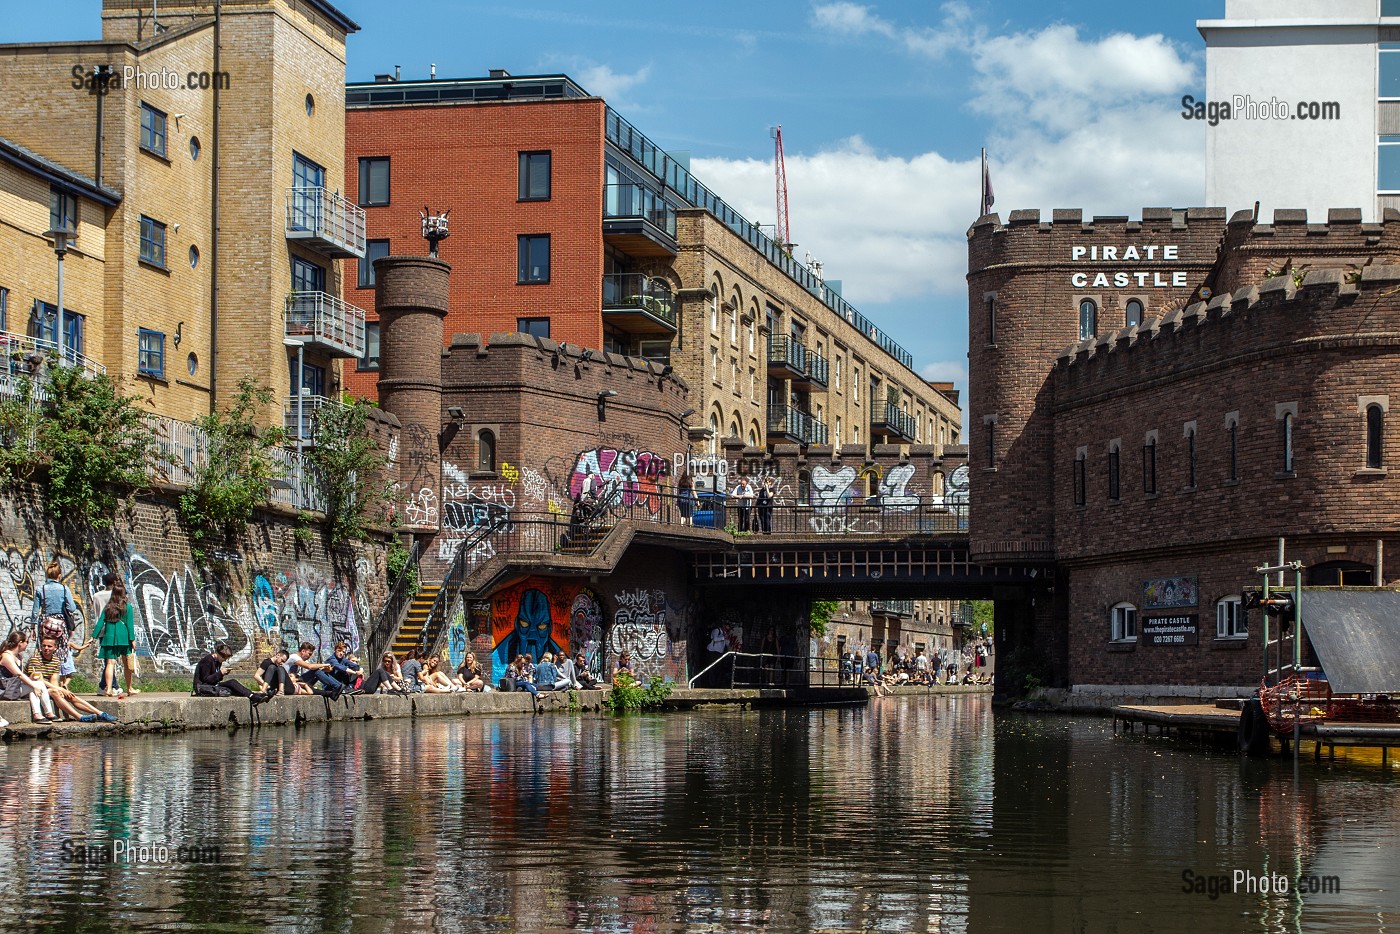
[[410, 295]]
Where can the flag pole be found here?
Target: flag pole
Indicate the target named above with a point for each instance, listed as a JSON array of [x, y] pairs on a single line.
[[982, 184]]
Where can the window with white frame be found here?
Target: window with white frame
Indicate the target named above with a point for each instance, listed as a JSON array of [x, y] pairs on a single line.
[[1229, 618], [714, 309], [1123, 623]]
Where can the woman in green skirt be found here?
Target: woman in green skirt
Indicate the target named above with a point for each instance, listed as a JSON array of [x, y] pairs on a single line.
[[115, 635]]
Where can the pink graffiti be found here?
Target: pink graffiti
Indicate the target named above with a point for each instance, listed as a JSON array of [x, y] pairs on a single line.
[[620, 477]]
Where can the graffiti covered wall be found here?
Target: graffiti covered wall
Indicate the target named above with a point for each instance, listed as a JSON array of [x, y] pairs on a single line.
[[265, 593]]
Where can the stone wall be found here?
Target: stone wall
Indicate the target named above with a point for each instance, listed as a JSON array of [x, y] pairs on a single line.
[[266, 590]]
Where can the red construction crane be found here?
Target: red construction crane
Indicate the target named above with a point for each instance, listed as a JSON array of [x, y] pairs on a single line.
[[780, 176]]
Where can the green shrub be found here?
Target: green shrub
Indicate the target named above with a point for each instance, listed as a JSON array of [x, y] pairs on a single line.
[[629, 694]]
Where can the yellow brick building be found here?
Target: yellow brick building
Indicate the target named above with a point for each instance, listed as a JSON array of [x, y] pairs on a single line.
[[206, 148]]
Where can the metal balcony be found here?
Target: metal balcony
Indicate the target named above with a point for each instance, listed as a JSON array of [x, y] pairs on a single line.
[[639, 304], [892, 424], [787, 358], [638, 221], [892, 607], [786, 423], [301, 414], [325, 222], [325, 322], [24, 355], [814, 374]]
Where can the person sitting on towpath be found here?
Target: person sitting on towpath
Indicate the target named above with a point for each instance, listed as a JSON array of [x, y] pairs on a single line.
[[344, 667], [45, 666], [547, 676], [385, 678], [573, 673], [437, 682], [872, 673], [469, 674], [273, 676], [209, 676], [16, 685], [524, 675], [410, 670], [312, 673], [624, 665]]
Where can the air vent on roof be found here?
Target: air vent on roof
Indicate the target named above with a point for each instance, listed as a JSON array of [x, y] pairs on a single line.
[[498, 73]]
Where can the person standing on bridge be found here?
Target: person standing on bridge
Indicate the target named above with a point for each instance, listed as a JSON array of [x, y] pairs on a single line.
[[743, 498], [685, 498], [765, 506]]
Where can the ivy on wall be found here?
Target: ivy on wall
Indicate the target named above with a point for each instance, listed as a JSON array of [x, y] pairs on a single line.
[[85, 443]]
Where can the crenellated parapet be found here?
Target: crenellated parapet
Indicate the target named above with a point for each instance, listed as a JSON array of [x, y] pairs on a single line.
[[1327, 309]]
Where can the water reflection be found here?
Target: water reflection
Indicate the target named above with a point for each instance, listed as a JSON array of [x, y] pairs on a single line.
[[911, 815]]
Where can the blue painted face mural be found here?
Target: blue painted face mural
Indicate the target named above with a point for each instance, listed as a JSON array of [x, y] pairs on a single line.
[[529, 616]]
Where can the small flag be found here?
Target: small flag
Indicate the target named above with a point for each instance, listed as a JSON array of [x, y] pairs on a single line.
[[989, 197]]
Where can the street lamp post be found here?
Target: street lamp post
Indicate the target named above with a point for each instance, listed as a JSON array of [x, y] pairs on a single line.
[[63, 238]]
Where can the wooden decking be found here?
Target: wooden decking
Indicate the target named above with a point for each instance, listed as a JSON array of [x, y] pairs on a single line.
[[1207, 721]]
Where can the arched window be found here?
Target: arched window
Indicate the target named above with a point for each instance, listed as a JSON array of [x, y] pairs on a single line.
[[1191, 458], [1229, 618], [1123, 623], [753, 437], [1114, 473], [804, 486], [1088, 319], [714, 309], [734, 430], [486, 451], [1233, 432], [714, 433], [1149, 465], [1287, 442], [1375, 433], [1132, 312]]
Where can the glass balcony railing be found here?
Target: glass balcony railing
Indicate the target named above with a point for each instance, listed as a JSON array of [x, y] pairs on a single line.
[[796, 424], [630, 291], [892, 607], [326, 222], [325, 321], [622, 202]]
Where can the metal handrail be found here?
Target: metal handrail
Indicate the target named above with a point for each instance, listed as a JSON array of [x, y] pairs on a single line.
[[463, 563], [314, 210], [396, 605], [634, 290]]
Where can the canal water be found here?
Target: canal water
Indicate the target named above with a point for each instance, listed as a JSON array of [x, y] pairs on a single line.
[[914, 814]]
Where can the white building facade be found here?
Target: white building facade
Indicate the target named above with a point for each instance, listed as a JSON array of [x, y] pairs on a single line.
[[1314, 94]]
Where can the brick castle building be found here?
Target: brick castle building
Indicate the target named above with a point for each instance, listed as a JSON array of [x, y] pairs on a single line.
[[1155, 403]]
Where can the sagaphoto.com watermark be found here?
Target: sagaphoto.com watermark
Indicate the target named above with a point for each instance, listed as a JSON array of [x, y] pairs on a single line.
[[1244, 107], [103, 79], [1243, 882], [121, 851]]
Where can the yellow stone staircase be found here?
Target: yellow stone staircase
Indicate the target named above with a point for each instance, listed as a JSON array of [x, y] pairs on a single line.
[[410, 634]]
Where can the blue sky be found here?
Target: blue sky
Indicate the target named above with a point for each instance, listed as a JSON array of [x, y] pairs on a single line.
[[884, 107]]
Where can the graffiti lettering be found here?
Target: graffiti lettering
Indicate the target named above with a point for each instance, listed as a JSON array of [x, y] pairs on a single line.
[[620, 477]]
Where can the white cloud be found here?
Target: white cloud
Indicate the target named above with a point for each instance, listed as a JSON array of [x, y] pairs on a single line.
[[1071, 121], [945, 371], [855, 19], [602, 81]]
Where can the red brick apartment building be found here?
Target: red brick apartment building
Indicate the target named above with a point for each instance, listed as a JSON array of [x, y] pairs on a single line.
[[568, 223]]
